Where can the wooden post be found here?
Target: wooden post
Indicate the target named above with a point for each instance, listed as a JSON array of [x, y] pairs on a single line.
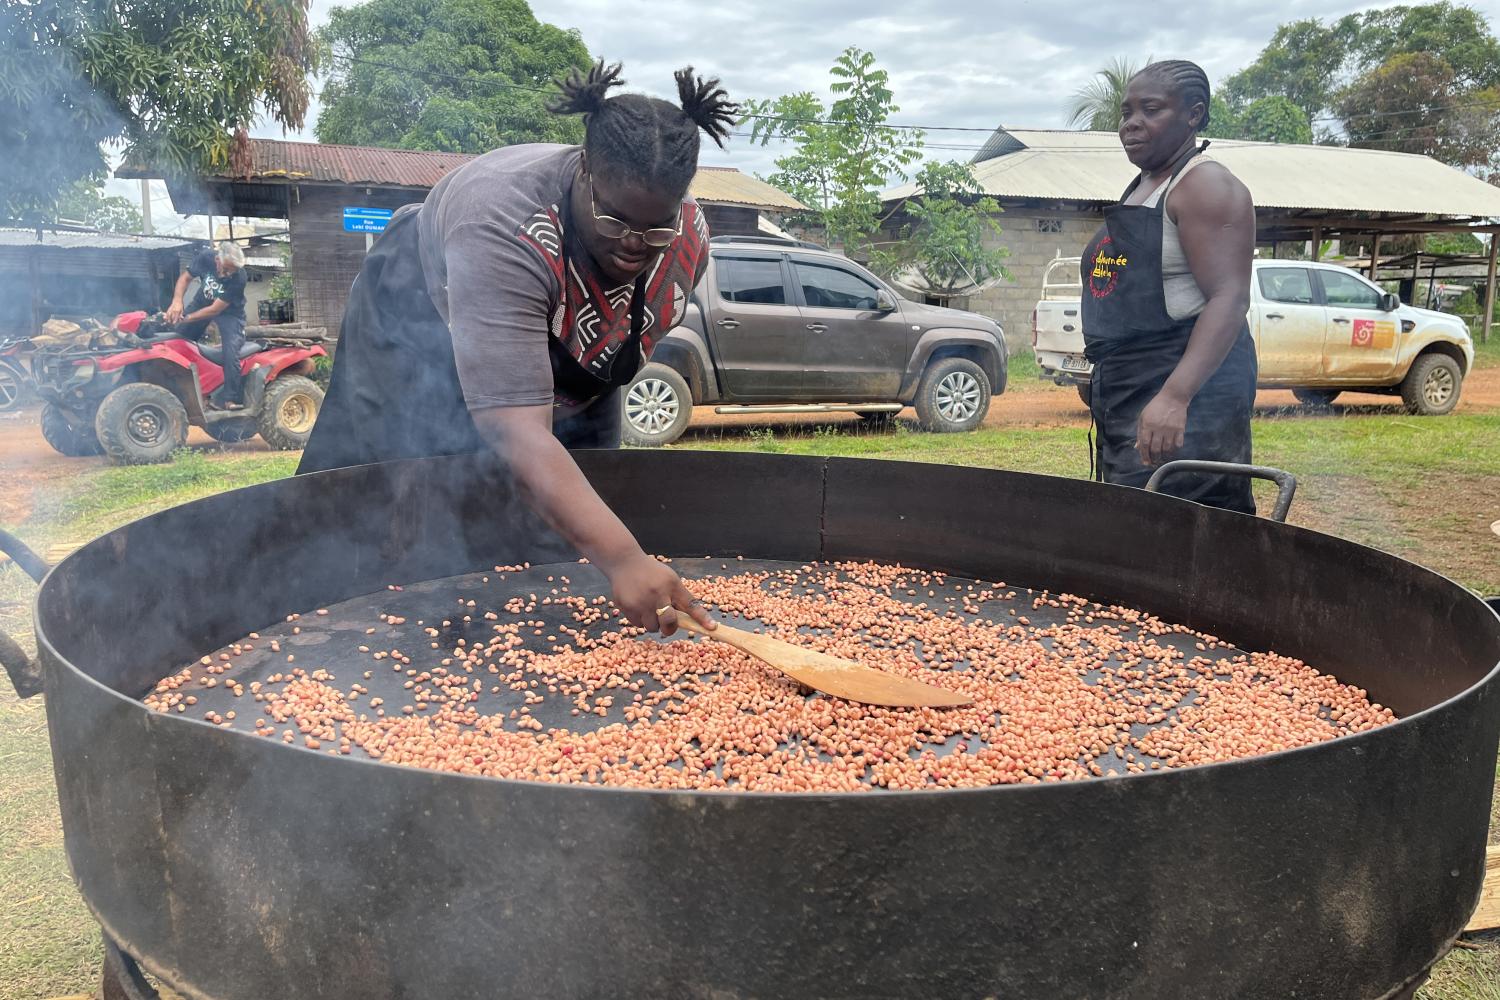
[[1317, 244], [1375, 257], [1489, 291]]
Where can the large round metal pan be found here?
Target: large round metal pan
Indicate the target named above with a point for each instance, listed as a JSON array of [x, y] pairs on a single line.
[[237, 868]]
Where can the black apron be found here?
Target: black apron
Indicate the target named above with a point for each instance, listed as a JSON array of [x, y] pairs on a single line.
[[1135, 345], [395, 391]]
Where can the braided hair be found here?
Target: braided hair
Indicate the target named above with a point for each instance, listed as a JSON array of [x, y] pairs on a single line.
[[1188, 79], [633, 137]]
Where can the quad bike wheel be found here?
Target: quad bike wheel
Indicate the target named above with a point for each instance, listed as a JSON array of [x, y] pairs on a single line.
[[66, 438], [289, 411], [141, 424]]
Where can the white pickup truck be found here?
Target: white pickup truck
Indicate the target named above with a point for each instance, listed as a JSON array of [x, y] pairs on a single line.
[[1319, 329]]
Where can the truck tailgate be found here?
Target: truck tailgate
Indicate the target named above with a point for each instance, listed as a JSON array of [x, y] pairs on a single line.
[[1058, 341]]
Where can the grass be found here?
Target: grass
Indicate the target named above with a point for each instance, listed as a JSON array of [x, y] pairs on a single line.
[[1408, 485], [1487, 355], [1399, 482]]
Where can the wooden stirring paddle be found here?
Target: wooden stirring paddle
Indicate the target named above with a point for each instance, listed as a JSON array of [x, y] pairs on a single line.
[[821, 672]]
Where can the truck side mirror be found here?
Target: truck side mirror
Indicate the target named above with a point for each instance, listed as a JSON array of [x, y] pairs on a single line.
[[885, 301], [1389, 302]]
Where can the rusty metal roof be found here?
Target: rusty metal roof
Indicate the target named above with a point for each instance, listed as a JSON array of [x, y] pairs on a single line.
[[324, 163], [281, 161], [1091, 167]]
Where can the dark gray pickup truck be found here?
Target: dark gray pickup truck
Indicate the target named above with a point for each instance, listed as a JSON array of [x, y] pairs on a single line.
[[778, 326]]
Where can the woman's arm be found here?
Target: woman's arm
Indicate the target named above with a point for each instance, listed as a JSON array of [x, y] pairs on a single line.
[[556, 488], [499, 312], [1216, 223]]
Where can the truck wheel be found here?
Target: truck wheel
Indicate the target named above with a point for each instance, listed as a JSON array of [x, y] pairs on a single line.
[[66, 439], [656, 408], [1086, 393], [954, 396], [141, 424], [288, 412], [1432, 385], [1316, 397]]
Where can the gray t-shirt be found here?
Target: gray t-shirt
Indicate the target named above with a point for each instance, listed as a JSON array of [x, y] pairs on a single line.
[[491, 246]]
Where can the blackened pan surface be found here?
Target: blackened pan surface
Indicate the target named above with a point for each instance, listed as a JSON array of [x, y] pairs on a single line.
[[236, 867]]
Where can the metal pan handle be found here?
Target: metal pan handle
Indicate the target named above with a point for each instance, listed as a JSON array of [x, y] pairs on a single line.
[[1286, 483], [25, 674]]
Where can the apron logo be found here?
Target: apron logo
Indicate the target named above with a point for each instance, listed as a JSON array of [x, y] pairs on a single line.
[[1104, 271], [1372, 334]]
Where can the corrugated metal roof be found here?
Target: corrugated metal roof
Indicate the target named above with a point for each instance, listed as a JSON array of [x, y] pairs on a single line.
[[325, 163], [728, 186], [1091, 167], [275, 160], [14, 237]]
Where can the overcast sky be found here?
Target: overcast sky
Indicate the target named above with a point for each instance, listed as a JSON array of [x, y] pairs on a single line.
[[956, 62]]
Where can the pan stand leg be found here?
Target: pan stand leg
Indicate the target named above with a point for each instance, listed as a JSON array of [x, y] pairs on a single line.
[[122, 978]]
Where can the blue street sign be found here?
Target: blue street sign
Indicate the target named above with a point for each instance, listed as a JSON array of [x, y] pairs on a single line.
[[366, 220]]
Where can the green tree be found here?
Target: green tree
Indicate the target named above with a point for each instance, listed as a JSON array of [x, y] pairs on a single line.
[[1096, 105], [842, 154], [946, 240], [1273, 119], [87, 204], [1302, 63], [1459, 35], [169, 83], [1453, 243], [456, 75], [1413, 78], [1415, 102]]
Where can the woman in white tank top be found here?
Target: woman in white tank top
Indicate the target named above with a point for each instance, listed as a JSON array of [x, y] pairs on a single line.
[[1167, 285]]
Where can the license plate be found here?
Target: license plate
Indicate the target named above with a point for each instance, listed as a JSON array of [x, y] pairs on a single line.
[[1075, 363]]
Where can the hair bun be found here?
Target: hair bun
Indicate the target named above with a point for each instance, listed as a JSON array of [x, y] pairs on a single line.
[[706, 103], [585, 93]]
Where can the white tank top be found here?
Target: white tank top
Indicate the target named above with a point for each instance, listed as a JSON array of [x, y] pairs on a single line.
[[1184, 298]]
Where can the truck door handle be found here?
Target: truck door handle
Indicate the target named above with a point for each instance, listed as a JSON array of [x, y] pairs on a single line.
[[1067, 328], [816, 327], [1275, 316], [1340, 319], [729, 324]]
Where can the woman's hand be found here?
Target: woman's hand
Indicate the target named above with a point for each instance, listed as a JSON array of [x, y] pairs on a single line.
[[1163, 424], [641, 585]]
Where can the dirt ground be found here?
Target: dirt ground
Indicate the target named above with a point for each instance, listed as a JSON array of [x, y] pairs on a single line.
[[29, 465]]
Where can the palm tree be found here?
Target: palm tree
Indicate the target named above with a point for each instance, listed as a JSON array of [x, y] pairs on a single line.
[[1096, 105]]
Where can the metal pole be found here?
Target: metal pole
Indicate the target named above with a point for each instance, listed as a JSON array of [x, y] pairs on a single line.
[[146, 226], [36, 287], [1489, 291]]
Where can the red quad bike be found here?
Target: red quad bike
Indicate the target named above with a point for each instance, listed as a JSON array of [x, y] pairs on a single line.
[[133, 402]]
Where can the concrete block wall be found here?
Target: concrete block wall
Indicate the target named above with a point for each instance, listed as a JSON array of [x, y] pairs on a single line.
[[1010, 302]]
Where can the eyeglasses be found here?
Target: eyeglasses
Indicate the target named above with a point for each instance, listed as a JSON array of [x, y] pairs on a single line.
[[612, 228]]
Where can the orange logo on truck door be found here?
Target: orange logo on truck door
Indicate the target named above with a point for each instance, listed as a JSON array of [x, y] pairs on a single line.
[[1373, 334]]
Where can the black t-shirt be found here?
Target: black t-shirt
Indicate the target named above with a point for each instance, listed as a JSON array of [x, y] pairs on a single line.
[[205, 267]]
